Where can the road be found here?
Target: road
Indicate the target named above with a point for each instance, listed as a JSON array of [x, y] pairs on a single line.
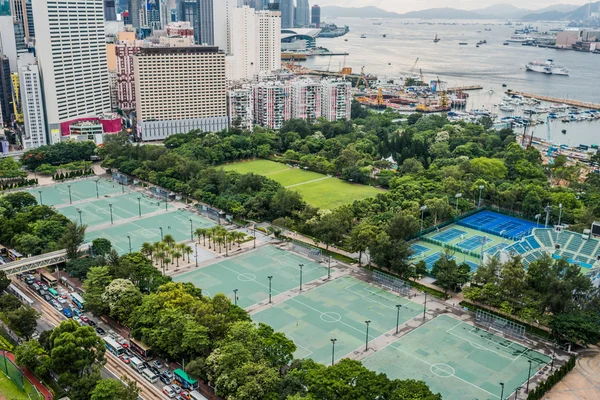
[[114, 367]]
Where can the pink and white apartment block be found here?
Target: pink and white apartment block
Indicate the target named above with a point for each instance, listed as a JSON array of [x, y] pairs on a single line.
[[125, 74], [306, 99], [180, 28], [272, 104], [336, 100]]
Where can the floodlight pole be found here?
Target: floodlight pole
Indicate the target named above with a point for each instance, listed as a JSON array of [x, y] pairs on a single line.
[[560, 207], [424, 305], [537, 218], [79, 211], [480, 190], [483, 240], [41, 201], [97, 193], [161, 233], [548, 209], [139, 199], [502, 391], [329, 267], [196, 253], [458, 196], [528, 377], [70, 199], [254, 226], [270, 279], [191, 230], [553, 353], [301, 265], [111, 215], [367, 338], [235, 296], [333, 350], [398, 307], [423, 208], [129, 238], [517, 392]]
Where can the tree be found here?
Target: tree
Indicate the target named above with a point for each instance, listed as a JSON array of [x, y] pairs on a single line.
[[438, 207], [98, 278], [122, 296], [577, 327], [286, 202], [360, 238], [101, 246], [110, 389], [20, 201], [402, 226], [4, 281], [23, 320], [32, 356], [72, 239], [448, 274]]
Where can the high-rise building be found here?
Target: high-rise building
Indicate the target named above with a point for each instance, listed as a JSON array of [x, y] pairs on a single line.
[[272, 104], [152, 16], [259, 4], [222, 13], [32, 104], [135, 10], [269, 34], [336, 99], [71, 50], [316, 16], [125, 50], [110, 10], [306, 99], [199, 13], [181, 28], [28, 23], [8, 43], [302, 13], [6, 105], [179, 89], [287, 13], [241, 108]]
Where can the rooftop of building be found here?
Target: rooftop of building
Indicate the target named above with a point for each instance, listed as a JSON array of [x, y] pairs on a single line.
[[290, 32]]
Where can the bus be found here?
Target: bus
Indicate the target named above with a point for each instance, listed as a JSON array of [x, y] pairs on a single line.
[[194, 395], [140, 348], [15, 290], [149, 375], [184, 380], [113, 346], [65, 282], [14, 255], [77, 301], [48, 279], [53, 292], [3, 251]]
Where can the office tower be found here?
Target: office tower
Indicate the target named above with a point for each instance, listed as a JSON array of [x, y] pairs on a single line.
[[287, 13], [6, 105], [259, 4], [110, 10], [272, 104], [199, 13], [8, 44], [152, 14], [179, 89], [316, 16], [336, 100], [135, 9], [32, 104], [222, 12], [241, 108], [302, 13], [28, 23], [125, 50], [306, 99], [269, 25], [73, 65]]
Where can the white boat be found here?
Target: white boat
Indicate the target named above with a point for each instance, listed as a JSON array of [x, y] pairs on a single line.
[[506, 107], [519, 38], [363, 36], [548, 68]]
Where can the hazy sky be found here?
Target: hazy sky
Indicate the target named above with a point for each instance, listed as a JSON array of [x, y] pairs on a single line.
[[411, 5]]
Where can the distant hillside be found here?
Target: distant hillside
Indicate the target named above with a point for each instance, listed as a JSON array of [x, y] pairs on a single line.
[[503, 11], [578, 14], [358, 12], [443, 13], [545, 16]]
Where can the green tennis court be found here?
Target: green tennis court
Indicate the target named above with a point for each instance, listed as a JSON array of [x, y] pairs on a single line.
[[81, 189], [124, 206], [175, 223], [458, 360], [249, 274], [337, 310]]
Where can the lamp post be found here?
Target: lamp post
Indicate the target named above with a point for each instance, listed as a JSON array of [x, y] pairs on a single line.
[[528, 377], [483, 242], [122, 187], [111, 216], [553, 353], [235, 298], [502, 391], [548, 209], [97, 193], [517, 392], [333, 350], [398, 307], [191, 230], [480, 190], [254, 226], [425, 305], [79, 211], [367, 338], [70, 199], [301, 265], [161, 233], [329, 267], [423, 208], [537, 218], [129, 238], [139, 199], [166, 204], [196, 253], [270, 279], [41, 200], [458, 196], [559, 213]]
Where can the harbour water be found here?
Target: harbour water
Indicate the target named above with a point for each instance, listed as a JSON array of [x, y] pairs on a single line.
[[491, 65]]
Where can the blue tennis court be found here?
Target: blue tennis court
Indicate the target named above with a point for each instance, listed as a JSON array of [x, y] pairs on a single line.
[[499, 224], [472, 265], [494, 249], [449, 235], [474, 242], [418, 249], [430, 260]]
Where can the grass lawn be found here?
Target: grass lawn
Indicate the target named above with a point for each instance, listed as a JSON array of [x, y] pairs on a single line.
[[317, 189], [10, 391]]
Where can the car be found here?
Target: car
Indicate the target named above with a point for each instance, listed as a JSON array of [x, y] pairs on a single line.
[[168, 391], [155, 370], [167, 373], [47, 297], [185, 394], [178, 397], [58, 307], [35, 286], [123, 343], [125, 358], [91, 323], [76, 319], [157, 364], [175, 388], [61, 301], [145, 364], [42, 292], [100, 331], [84, 318], [53, 302], [164, 379]]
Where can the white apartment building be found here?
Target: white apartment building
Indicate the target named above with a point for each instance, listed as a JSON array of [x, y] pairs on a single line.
[[179, 89], [336, 99], [272, 104], [222, 13], [30, 89], [255, 43], [70, 44], [241, 108], [306, 99]]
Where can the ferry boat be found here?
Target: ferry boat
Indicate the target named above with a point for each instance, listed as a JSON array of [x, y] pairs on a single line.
[[519, 38], [363, 36], [548, 68]]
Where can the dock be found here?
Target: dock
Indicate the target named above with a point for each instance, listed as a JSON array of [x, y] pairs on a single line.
[[464, 88], [575, 103]]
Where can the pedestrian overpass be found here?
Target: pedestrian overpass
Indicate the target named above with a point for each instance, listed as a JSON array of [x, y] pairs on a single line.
[[35, 262]]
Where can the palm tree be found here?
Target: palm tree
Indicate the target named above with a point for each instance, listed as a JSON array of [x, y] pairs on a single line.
[[187, 250], [239, 237], [160, 255], [167, 262], [147, 249], [169, 240], [156, 247], [177, 254], [231, 236], [201, 232], [210, 235]]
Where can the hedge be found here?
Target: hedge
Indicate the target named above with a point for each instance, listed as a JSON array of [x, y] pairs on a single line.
[[544, 387]]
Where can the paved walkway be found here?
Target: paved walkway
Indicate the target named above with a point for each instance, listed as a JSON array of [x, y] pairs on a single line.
[[32, 378], [583, 382]]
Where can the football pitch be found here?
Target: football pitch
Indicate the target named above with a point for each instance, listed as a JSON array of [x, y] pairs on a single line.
[[318, 190]]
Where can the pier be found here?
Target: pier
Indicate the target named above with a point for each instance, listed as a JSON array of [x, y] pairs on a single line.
[[464, 88], [575, 103]]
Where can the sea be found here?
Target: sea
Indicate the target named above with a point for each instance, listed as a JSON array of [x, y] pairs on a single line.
[[491, 65]]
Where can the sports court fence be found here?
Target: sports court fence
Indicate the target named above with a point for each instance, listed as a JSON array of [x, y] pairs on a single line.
[[451, 247], [121, 178], [306, 249], [391, 282], [495, 323], [11, 370]]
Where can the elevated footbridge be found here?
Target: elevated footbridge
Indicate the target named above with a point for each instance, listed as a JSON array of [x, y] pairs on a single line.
[[35, 262]]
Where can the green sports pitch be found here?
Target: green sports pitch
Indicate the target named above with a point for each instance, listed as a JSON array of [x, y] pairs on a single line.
[[318, 190]]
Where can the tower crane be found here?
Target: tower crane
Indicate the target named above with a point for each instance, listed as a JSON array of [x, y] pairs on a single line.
[[362, 77]]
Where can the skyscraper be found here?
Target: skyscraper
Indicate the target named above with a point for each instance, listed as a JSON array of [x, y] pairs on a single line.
[[316, 16], [287, 13], [222, 12], [32, 103], [110, 10], [302, 13], [6, 109], [199, 13], [134, 7], [73, 64]]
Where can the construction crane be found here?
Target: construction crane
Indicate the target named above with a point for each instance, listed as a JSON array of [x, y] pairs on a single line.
[[421, 76], [379, 99], [444, 102], [363, 78]]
